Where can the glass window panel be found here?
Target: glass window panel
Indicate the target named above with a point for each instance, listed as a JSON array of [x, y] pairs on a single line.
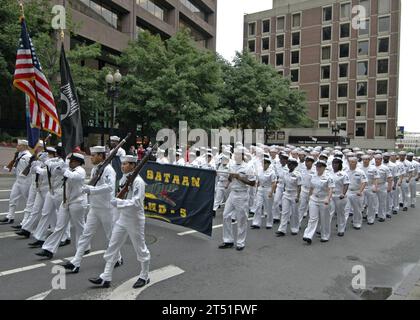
[[383, 45]]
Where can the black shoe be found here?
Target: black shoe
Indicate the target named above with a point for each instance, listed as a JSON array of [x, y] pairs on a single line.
[[18, 227], [71, 267], [7, 221], [323, 240], [340, 234], [350, 214], [119, 263], [99, 281], [280, 234], [226, 246], [214, 213], [304, 217], [275, 221], [294, 233], [365, 218], [356, 228], [233, 220], [395, 212], [401, 205], [36, 244], [376, 216], [381, 220], [370, 223], [23, 233], [45, 253], [86, 252], [239, 248], [65, 243], [318, 232], [405, 209], [268, 228], [140, 283], [413, 206], [388, 216], [251, 214], [307, 240], [255, 227]]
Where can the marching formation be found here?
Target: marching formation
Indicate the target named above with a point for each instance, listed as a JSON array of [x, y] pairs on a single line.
[[284, 185]]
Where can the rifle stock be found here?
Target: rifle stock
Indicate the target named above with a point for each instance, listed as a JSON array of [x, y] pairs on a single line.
[[107, 161], [12, 162], [25, 171], [130, 179]]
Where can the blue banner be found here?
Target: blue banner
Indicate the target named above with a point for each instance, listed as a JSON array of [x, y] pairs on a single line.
[[180, 195]]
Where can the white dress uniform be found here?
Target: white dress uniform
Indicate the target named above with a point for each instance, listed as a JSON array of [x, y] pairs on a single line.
[[318, 210], [100, 212], [292, 181], [371, 198], [357, 177], [72, 210], [392, 197], [340, 179], [405, 189], [280, 172], [256, 164], [402, 172], [20, 188], [237, 204], [413, 183], [32, 193], [222, 183], [265, 180], [131, 222], [53, 200], [304, 194], [382, 193]]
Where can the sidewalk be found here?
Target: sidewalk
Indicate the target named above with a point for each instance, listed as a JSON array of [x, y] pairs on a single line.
[[409, 289]]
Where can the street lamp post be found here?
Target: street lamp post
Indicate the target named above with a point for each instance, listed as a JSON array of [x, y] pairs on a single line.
[[335, 129], [265, 113], [113, 89]]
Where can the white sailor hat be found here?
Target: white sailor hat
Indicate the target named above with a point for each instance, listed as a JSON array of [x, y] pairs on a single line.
[[22, 142], [267, 157], [370, 151], [114, 138], [60, 144], [365, 157], [346, 150], [97, 149], [224, 157], [273, 149], [300, 152], [214, 148], [318, 148], [410, 154], [294, 151], [238, 150], [337, 159], [378, 151], [129, 158], [192, 154], [393, 153], [321, 163], [310, 158], [284, 155], [402, 153], [51, 149], [77, 156], [378, 156], [178, 153], [386, 154], [352, 159], [209, 154], [356, 149], [337, 148], [291, 159], [323, 154], [238, 143], [338, 154], [360, 153]]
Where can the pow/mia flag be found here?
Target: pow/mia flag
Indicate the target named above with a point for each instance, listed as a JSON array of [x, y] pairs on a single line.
[[71, 122]]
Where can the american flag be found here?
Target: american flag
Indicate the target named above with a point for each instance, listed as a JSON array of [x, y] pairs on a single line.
[[30, 79]]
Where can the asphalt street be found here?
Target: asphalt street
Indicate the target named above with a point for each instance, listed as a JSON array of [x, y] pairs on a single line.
[[187, 265]]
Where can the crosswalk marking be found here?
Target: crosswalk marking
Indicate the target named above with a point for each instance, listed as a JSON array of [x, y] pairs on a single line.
[[126, 291], [40, 296], [4, 200], [8, 190], [7, 235], [5, 213], [35, 266]]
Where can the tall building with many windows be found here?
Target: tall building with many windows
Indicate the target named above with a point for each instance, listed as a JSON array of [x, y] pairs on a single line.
[[343, 53]]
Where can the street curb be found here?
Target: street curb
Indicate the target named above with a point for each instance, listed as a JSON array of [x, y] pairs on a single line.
[[407, 285]]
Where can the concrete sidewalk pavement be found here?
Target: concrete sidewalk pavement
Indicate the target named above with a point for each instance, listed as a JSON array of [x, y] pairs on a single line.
[[409, 289]]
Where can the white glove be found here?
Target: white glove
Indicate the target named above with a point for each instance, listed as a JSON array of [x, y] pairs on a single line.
[[43, 157], [67, 173], [114, 202], [86, 189], [38, 170], [6, 169]]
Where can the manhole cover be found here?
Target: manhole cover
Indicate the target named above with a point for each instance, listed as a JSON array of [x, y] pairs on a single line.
[[352, 258], [150, 239]]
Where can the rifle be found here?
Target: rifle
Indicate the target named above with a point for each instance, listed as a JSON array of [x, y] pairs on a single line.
[[25, 171], [101, 167], [12, 162], [130, 179]]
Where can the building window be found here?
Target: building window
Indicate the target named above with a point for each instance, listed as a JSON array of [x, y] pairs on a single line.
[[251, 29], [112, 18], [327, 14], [360, 130], [361, 109], [362, 89], [383, 6], [281, 72], [345, 10], [384, 24], [294, 75], [266, 26], [265, 59], [344, 30], [295, 57], [382, 66], [279, 59], [251, 45], [363, 48], [324, 110], [326, 53], [265, 43], [362, 68], [381, 107], [280, 41], [366, 4], [380, 129], [342, 90], [323, 126], [381, 87], [325, 72], [344, 50], [326, 33], [342, 110], [296, 20], [383, 45], [296, 38], [325, 91], [280, 23], [364, 28], [343, 70]]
